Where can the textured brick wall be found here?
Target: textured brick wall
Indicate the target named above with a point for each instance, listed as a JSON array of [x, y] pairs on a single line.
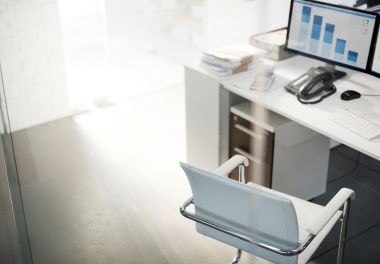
[[31, 56]]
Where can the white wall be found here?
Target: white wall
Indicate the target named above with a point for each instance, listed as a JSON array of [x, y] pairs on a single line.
[[232, 21], [33, 32], [31, 57], [84, 42]]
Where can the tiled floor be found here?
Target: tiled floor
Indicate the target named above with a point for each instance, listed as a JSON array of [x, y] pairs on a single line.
[[361, 173]]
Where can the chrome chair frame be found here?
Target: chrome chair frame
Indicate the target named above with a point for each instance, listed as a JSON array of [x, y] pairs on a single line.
[[285, 252]]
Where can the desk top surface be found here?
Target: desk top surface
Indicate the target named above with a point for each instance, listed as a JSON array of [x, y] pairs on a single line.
[[316, 116]]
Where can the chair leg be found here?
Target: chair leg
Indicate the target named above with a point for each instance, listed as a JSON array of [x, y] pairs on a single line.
[[237, 257], [343, 231]]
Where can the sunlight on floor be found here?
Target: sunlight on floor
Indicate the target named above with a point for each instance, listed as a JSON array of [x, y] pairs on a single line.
[[107, 186]]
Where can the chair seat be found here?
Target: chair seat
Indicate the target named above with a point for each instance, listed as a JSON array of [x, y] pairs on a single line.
[[306, 213]]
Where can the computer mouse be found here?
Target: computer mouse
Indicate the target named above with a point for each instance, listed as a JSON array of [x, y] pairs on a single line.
[[349, 95]]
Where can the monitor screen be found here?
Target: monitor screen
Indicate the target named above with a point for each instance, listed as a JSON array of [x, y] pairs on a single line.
[[336, 34], [376, 57]]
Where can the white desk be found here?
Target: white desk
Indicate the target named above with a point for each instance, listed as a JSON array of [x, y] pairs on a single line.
[[316, 116], [208, 101]]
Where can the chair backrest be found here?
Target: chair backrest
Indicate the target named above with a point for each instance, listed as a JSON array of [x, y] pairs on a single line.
[[252, 211]]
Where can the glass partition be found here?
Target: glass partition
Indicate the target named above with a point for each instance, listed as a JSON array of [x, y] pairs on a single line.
[[14, 241]]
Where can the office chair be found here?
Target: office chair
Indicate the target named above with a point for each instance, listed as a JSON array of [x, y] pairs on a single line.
[[261, 221]]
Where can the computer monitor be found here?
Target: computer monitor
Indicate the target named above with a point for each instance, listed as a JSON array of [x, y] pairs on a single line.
[[335, 34], [375, 67]]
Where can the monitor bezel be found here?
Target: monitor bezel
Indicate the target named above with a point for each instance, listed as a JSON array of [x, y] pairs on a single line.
[[368, 68], [373, 55]]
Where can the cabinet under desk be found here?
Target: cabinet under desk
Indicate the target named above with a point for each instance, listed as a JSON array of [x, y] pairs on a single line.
[[283, 155]]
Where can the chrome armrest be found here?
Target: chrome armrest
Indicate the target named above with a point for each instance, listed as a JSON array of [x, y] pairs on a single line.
[[231, 164], [285, 252]]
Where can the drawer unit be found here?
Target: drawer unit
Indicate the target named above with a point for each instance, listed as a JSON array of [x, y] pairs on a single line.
[[250, 137], [283, 155], [256, 143]]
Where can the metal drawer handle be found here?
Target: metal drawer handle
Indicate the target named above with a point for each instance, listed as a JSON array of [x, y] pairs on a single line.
[[249, 156], [249, 132]]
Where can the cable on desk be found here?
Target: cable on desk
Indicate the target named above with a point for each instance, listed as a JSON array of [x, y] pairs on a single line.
[[331, 92]]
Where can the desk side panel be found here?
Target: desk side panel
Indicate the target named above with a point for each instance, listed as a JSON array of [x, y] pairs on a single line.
[[300, 168], [202, 119]]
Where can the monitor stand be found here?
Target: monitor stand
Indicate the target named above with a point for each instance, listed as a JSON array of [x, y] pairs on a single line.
[[331, 69]]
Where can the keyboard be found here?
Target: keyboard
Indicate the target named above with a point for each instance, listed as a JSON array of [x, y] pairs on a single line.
[[356, 124]]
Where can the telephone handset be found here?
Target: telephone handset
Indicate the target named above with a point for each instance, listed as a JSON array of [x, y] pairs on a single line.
[[316, 82], [316, 86]]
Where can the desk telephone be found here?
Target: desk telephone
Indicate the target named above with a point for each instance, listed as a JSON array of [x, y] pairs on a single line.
[[316, 82]]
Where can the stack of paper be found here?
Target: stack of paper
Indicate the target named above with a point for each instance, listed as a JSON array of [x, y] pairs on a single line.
[[230, 60]]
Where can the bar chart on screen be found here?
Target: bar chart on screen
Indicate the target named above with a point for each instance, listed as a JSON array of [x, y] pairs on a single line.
[[331, 32]]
